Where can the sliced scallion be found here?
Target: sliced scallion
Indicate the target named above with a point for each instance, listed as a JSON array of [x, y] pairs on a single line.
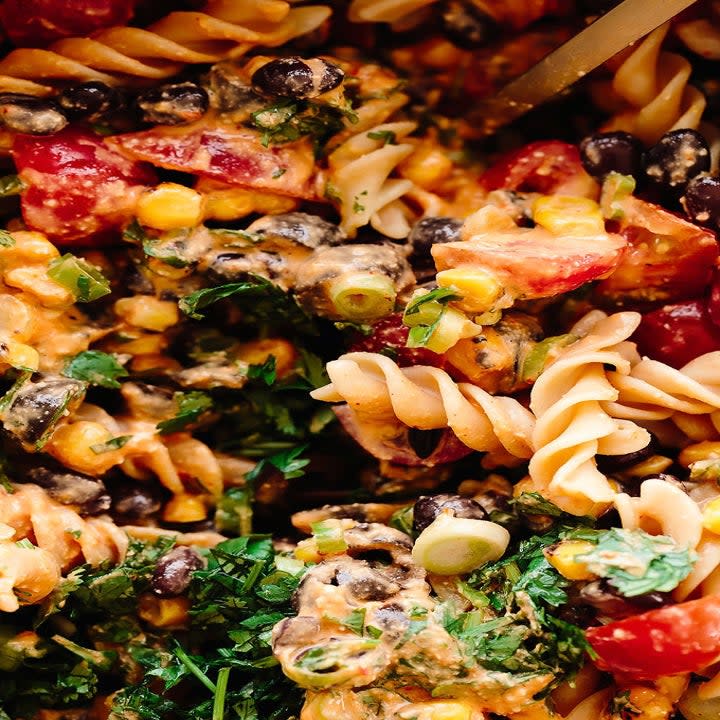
[[83, 280], [362, 296]]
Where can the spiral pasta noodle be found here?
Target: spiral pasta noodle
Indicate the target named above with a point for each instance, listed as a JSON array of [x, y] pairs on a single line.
[[427, 398], [571, 424], [652, 85], [224, 29]]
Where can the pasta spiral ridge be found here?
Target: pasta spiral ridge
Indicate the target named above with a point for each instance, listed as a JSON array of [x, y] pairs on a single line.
[[572, 426], [223, 29], [61, 538], [652, 85], [427, 398]]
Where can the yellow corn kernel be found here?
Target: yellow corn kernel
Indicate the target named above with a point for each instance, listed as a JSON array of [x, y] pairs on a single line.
[[144, 363], [437, 710], [650, 466], [72, 445], [307, 551], [163, 612], [32, 247], [427, 167], [568, 215], [233, 203], [258, 351], [562, 558], [147, 312], [35, 281], [170, 206], [16, 318], [143, 344], [706, 450], [19, 355], [185, 508], [651, 704], [711, 516], [481, 291]]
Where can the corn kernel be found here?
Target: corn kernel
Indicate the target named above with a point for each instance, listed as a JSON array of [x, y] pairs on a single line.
[[146, 363], [437, 710], [427, 167], [35, 281], [568, 215], [480, 290], [699, 451], [307, 551], [163, 612], [72, 445], [185, 508], [143, 344], [19, 355], [562, 558], [33, 247], [170, 206], [650, 466], [148, 312], [234, 203], [258, 351], [711, 516], [16, 318]]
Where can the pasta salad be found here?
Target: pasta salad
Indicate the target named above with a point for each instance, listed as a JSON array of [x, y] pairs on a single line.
[[317, 404]]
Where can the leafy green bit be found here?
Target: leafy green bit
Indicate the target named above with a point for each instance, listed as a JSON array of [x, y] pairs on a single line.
[[266, 372], [11, 185], [615, 188], [112, 444], [134, 232], [168, 250], [240, 238], [636, 563], [7, 399], [423, 314], [332, 192], [533, 503], [705, 471], [97, 368], [622, 707], [290, 120], [358, 207], [402, 520], [288, 462], [354, 622], [6, 239], [233, 514], [218, 712], [329, 537], [190, 406], [81, 278], [387, 136], [534, 362], [102, 659]]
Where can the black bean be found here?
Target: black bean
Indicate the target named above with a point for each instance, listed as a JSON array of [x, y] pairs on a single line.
[[366, 584], [31, 115], [173, 572], [608, 152], [678, 156], [608, 464], [424, 442], [466, 26], [310, 231], [70, 488], [229, 91], [702, 200], [88, 100], [601, 595], [428, 507], [426, 233], [174, 104], [135, 501], [296, 78]]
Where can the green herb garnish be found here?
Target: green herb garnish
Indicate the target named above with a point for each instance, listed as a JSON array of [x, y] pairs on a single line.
[[97, 368]]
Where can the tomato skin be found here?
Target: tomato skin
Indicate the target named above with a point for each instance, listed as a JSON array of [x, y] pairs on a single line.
[[675, 639], [77, 187], [390, 334], [676, 334], [550, 167], [35, 23], [667, 259]]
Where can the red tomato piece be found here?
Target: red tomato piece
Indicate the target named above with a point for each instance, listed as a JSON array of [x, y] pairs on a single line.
[[534, 263], [668, 258], [671, 640], [677, 334], [389, 334], [35, 23], [550, 167], [232, 154], [77, 186]]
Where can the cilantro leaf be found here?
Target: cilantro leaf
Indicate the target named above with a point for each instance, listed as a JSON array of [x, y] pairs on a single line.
[[97, 368], [190, 406], [636, 563], [287, 462], [265, 372]]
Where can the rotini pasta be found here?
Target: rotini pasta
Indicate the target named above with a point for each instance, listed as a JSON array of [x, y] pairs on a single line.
[[375, 388], [653, 85], [224, 29], [572, 427]]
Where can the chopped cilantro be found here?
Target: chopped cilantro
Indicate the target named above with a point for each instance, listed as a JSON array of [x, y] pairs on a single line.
[[423, 314], [190, 406], [112, 444], [97, 368], [265, 371], [288, 462], [387, 136], [358, 207]]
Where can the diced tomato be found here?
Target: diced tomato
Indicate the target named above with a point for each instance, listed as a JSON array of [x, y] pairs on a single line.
[[232, 154], [676, 639], [77, 186], [550, 167], [35, 23], [389, 335], [534, 263], [668, 258], [677, 334], [389, 440]]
